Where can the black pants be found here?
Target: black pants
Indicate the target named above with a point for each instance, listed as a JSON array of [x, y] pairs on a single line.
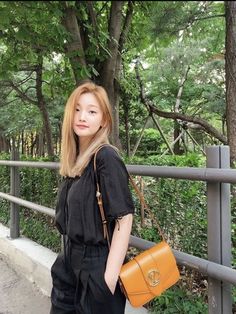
[[79, 286]]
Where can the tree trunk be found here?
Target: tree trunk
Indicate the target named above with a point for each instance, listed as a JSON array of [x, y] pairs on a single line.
[[230, 71], [109, 70], [176, 148], [177, 108], [37, 144], [115, 137], [110, 66], [4, 145], [22, 142], [42, 107], [74, 47], [140, 137], [126, 118], [40, 144], [32, 143]]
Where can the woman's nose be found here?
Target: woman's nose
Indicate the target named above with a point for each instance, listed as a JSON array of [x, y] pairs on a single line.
[[81, 116]]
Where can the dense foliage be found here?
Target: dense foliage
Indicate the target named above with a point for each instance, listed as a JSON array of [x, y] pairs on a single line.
[[166, 42]]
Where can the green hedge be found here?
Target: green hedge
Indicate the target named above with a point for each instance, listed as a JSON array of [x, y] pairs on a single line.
[[38, 186]]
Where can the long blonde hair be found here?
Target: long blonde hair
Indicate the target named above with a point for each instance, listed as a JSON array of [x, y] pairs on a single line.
[[70, 165]]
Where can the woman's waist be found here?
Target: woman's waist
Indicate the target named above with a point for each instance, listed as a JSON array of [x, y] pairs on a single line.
[[88, 249]]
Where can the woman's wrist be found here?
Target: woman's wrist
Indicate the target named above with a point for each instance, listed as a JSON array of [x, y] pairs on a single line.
[[111, 276], [111, 280]]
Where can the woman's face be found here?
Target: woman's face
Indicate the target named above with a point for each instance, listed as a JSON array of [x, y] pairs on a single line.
[[88, 117]]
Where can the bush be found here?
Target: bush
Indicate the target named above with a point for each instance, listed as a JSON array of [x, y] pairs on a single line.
[[38, 186], [176, 300], [179, 205]]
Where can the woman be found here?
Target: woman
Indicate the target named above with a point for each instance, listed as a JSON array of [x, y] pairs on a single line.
[[85, 274]]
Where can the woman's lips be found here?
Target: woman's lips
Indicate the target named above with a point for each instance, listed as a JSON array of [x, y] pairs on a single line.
[[80, 126]]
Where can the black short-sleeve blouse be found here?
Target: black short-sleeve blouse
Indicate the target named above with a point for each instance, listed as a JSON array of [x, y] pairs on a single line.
[[77, 211]]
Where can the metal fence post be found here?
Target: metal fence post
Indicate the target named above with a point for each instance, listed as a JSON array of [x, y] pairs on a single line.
[[15, 190], [219, 231]]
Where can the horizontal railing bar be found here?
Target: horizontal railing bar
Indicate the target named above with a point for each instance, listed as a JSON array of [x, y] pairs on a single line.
[[35, 207], [206, 267], [33, 164], [188, 173]]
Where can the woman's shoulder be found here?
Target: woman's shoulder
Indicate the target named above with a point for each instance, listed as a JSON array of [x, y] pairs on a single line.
[[108, 150], [108, 153]]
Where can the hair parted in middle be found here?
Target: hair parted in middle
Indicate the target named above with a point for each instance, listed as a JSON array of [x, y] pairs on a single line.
[[70, 165]]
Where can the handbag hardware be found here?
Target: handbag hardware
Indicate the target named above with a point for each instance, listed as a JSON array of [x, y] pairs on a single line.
[[153, 277], [149, 273]]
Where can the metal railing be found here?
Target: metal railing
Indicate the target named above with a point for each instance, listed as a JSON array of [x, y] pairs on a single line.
[[217, 175]]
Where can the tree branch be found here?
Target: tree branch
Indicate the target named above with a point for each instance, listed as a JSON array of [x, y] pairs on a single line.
[[26, 68], [7, 103], [25, 79], [175, 115], [103, 7], [177, 104], [208, 17], [126, 26], [22, 95], [29, 87], [93, 18]]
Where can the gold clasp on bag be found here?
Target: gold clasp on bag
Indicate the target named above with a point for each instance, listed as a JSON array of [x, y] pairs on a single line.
[[153, 277]]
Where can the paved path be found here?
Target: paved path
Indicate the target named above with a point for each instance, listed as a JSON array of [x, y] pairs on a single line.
[[19, 296]]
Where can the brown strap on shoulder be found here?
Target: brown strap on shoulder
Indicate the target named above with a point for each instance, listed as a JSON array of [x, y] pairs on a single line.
[[100, 203], [99, 198]]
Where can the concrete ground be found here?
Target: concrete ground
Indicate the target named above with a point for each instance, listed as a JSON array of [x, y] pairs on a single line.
[[25, 281], [18, 295]]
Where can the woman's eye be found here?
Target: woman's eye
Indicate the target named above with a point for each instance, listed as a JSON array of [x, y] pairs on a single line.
[[76, 109], [92, 112]]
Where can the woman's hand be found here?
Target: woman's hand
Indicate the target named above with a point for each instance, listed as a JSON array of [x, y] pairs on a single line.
[[111, 281], [117, 251]]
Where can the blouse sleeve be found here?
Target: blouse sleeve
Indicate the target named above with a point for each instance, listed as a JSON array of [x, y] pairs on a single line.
[[114, 179]]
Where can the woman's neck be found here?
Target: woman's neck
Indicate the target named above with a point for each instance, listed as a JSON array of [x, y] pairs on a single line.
[[83, 145]]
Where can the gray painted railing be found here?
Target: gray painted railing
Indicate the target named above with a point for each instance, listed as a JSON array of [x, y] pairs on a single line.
[[217, 175]]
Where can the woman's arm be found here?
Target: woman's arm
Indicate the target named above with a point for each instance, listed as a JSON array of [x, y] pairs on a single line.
[[119, 246]]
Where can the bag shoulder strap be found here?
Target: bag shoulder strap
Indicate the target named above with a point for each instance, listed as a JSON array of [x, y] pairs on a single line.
[[100, 203], [143, 202], [99, 197]]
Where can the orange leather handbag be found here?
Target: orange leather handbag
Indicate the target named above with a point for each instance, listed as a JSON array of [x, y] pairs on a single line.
[[151, 272]]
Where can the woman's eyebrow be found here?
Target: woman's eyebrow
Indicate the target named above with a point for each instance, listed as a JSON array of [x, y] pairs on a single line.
[[90, 105]]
